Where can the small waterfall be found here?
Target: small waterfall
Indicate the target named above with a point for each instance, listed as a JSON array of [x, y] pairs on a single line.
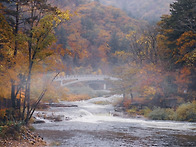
[[83, 112]]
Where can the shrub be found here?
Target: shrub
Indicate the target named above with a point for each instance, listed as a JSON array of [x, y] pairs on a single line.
[[7, 115], [157, 114], [10, 129], [132, 111], [170, 114], [186, 112], [162, 114], [126, 103], [2, 114], [146, 111]]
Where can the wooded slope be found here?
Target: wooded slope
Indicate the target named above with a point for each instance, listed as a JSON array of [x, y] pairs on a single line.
[[150, 10]]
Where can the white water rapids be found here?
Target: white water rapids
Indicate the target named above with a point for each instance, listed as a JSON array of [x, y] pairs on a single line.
[[93, 125]]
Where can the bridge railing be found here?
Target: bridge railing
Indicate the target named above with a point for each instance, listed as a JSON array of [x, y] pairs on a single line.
[[59, 78]]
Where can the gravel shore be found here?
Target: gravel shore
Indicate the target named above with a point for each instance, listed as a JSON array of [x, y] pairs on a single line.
[[26, 138]]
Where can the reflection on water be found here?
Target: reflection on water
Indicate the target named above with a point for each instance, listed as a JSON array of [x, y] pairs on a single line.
[[91, 124]]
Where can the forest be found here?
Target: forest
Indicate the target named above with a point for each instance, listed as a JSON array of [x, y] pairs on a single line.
[[149, 46], [150, 10]]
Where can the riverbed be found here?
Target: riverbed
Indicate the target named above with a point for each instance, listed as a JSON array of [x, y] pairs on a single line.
[[93, 124]]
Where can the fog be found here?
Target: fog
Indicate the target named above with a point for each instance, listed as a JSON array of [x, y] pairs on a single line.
[[150, 10]]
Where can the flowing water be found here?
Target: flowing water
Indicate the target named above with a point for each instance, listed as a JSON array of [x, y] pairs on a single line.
[[93, 125]]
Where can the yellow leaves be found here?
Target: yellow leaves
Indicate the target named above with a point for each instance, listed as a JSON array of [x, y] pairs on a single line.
[[103, 50], [123, 56], [186, 36], [11, 66], [149, 91], [161, 37], [132, 33], [186, 46], [47, 24], [6, 36], [65, 15], [44, 54], [83, 70], [168, 31], [61, 17], [58, 11], [186, 41], [99, 72], [161, 40], [43, 37], [120, 53]]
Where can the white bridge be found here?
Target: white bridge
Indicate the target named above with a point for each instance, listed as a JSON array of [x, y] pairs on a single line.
[[71, 79]]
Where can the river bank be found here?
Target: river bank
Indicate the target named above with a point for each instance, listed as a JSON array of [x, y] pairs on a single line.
[[24, 137]]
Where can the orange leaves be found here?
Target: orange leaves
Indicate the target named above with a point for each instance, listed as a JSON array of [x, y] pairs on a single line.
[[187, 48], [126, 103], [87, 35], [4, 87], [103, 50], [6, 33], [182, 79], [21, 96], [151, 74], [186, 41], [150, 79], [2, 114], [104, 35], [78, 44], [149, 91]]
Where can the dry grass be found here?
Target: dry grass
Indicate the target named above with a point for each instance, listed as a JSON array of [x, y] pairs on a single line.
[[73, 97]]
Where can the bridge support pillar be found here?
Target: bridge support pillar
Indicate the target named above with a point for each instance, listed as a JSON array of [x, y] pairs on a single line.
[[104, 86]]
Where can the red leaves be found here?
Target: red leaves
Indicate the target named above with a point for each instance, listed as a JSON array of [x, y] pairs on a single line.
[[182, 79]]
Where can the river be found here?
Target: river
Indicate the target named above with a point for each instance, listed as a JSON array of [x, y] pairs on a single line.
[[93, 125]]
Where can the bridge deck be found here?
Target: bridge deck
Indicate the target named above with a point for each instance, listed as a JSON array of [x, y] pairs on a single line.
[[80, 78]]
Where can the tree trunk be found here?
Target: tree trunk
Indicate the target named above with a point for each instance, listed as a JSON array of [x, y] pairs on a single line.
[[13, 96], [13, 86], [131, 94]]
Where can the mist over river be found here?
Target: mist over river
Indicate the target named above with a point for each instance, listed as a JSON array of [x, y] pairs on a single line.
[[93, 125]]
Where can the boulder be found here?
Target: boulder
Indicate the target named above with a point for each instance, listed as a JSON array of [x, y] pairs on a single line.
[[39, 121], [61, 105]]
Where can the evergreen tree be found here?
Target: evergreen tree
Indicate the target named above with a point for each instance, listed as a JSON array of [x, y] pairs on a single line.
[[174, 27], [178, 41], [114, 46], [182, 18]]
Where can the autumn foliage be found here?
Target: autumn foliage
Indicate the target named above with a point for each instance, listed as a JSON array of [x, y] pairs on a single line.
[[25, 49]]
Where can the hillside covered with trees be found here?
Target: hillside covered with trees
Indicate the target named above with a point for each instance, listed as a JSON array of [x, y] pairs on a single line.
[[150, 10], [94, 34]]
